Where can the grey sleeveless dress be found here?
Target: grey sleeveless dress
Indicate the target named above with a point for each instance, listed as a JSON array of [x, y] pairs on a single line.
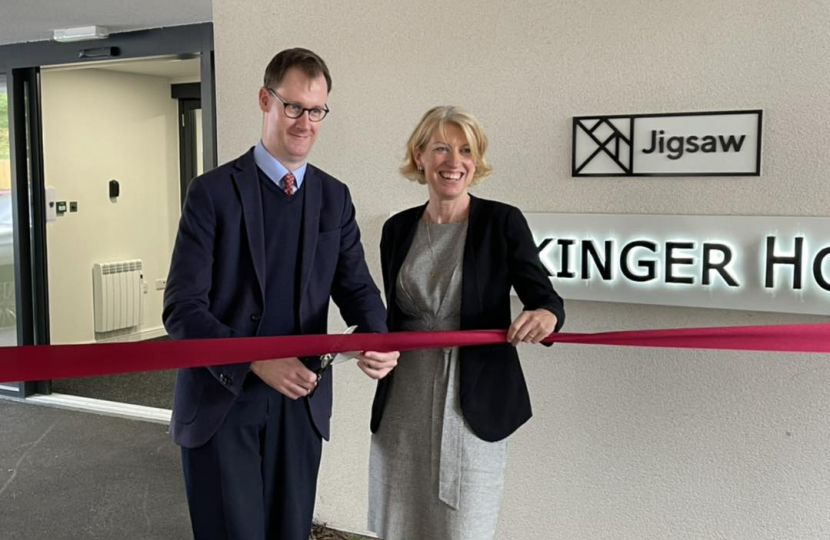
[[430, 476]]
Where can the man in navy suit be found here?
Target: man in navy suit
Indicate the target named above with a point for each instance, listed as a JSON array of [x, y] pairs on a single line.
[[264, 242]]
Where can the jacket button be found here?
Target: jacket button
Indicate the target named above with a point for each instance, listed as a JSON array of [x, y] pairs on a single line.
[[256, 317]]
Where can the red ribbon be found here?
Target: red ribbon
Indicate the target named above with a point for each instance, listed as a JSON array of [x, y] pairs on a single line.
[[31, 363]]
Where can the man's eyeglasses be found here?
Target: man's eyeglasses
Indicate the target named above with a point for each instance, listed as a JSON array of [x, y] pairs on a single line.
[[294, 110]]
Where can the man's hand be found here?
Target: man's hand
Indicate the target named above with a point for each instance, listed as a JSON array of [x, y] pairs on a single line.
[[377, 365], [288, 376], [531, 327]]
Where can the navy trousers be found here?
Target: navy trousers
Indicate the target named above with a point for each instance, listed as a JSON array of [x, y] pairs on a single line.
[[256, 479]]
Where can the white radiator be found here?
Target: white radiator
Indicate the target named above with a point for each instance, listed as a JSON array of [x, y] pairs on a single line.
[[117, 295]]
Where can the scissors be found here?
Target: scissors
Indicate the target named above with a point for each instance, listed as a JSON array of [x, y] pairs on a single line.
[[327, 360]]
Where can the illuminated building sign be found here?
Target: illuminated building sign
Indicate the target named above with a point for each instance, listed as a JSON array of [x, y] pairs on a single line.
[[777, 264], [683, 144]]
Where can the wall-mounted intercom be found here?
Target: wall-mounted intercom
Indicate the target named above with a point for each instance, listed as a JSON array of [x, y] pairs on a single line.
[[115, 189]]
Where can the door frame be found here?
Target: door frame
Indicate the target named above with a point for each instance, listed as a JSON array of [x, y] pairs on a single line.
[[189, 97], [21, 64]]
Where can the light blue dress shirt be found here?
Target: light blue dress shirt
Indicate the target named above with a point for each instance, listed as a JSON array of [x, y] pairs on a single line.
[[275, 170]]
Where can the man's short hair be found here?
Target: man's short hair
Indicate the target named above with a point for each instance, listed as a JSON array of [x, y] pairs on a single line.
[[306, 61]]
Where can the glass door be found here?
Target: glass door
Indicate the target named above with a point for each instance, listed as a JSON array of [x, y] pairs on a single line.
[[8, 309], [8, 326], [23, 302]]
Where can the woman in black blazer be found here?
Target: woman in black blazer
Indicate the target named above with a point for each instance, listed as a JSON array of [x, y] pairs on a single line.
[[440, 419]]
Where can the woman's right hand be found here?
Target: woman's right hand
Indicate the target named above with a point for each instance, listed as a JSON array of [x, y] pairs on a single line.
[[531, 327]]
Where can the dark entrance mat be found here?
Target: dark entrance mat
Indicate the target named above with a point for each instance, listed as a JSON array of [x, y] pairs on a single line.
[[152, 389]]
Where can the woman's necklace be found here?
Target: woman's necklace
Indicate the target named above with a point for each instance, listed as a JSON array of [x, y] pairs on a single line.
[[433, 268], [434, 274]]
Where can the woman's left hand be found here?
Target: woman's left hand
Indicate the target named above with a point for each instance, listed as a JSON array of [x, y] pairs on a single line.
[[377, 365], [531, 327]]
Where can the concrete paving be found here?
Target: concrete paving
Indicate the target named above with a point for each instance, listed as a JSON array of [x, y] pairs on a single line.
[[69, 475]]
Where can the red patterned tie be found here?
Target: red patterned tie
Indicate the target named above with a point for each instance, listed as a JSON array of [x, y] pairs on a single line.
[[288, 184]]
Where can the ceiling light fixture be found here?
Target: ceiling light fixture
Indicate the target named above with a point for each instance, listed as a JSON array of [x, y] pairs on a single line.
[[80, 33]]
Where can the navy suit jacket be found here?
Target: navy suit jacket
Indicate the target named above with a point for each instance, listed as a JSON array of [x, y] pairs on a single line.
[[499, 254], [215, 288]]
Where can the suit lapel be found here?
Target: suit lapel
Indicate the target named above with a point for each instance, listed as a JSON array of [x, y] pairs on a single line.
[[246, 179], [399, 243], [471, 301], [470, 297], [311, 227], [410, 226]]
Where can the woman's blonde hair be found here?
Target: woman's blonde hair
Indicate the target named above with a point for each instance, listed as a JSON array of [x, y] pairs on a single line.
[[435, 119]]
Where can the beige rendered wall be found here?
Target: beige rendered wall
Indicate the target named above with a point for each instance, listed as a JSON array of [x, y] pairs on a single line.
[[99, 125], [625, 443]]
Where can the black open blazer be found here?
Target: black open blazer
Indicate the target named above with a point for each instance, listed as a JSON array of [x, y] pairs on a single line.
[[499, 253]]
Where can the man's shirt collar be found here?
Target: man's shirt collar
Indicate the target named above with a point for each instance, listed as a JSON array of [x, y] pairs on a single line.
[[275, 170]]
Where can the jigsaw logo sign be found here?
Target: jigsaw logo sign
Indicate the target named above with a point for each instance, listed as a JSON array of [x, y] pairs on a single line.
[[681, 144]]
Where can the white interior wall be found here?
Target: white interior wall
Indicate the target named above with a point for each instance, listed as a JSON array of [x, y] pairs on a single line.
[[626, 443], [100, 125]]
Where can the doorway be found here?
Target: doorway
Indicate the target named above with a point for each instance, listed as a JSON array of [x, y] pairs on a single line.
[[114, 123], [94, 172]]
